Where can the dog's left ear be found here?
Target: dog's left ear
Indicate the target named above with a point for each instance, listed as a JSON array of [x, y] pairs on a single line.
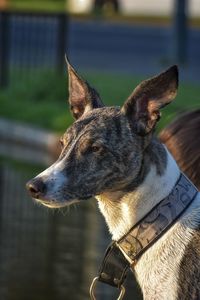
[[144, 104], [82, 97]]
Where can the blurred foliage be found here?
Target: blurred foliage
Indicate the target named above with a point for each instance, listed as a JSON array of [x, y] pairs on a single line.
[[61, 5], [43, 5], [27, 167], [41, 99]]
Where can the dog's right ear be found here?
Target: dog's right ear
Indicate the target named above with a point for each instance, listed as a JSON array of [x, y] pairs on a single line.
[[82, 97]]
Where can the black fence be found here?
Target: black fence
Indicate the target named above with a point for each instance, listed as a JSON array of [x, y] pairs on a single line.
[[46, 254], [31, 40], [43, 254]]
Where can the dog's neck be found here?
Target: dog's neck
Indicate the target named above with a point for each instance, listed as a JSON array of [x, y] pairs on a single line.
[[122, 210]]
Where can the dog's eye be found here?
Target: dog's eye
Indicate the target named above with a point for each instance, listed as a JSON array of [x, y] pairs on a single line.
[[96, 148]]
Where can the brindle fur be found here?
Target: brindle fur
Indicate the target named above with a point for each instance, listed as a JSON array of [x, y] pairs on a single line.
[[109, 153]]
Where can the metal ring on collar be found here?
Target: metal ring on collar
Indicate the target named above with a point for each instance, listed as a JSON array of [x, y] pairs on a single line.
[[93, 286]]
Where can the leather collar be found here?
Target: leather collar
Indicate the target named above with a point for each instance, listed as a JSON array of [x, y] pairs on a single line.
[[123, 254]]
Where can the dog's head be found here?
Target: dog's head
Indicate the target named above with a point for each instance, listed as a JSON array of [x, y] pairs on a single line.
[[103, 149]]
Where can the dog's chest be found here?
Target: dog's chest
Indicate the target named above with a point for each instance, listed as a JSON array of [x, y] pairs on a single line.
[[170, 269], [158, 279]]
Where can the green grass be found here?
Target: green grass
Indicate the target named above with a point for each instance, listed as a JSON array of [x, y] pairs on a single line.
[[28, 168], [38, 5], [42, 99], [136, 19]]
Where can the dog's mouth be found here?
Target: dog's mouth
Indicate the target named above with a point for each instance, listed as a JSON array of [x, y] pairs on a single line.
[[52, 203], [55, 204]]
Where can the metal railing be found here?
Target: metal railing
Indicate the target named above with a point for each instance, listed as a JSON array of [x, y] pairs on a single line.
[[30, 40]]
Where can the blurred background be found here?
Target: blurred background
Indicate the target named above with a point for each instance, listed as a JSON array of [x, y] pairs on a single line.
[[114, 44]]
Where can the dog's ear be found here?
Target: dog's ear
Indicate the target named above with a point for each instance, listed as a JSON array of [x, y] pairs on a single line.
[[82, 97], [144, 104]]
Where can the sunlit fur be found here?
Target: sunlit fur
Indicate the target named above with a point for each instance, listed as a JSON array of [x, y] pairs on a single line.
[[122, 210]]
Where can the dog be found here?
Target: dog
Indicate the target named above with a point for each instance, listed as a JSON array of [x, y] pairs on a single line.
[[112, 154], [182, 139]]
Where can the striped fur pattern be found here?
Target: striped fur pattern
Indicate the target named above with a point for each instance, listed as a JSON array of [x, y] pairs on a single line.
[[111, 153]]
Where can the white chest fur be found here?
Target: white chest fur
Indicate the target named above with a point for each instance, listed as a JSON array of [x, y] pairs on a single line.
[[123, 211], [157, 269]]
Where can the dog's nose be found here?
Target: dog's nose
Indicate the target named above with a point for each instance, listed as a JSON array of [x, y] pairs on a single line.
[[35, 187]]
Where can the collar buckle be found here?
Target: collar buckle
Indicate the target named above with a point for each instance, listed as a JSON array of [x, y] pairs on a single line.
[[93, 286]]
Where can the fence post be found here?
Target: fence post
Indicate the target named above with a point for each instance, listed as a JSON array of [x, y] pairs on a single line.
[[180, 30], [4, 49], [62, 40], [1, 193]]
